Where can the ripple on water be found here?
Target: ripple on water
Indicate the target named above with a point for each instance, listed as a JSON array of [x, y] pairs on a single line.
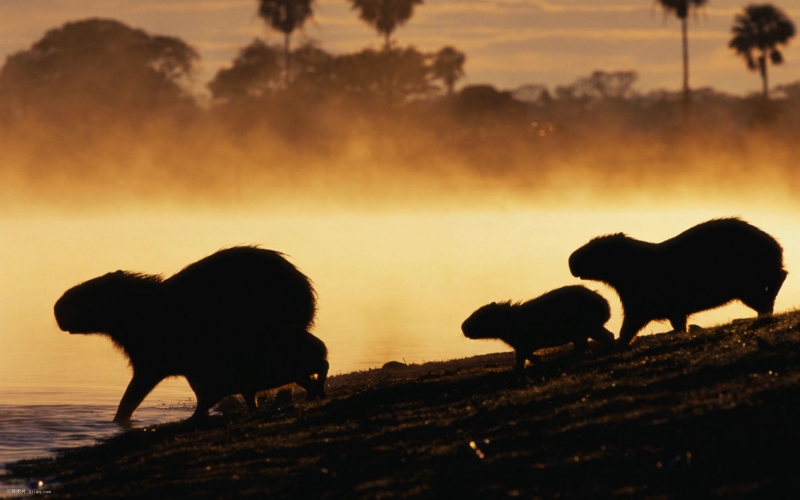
[[35, 431]]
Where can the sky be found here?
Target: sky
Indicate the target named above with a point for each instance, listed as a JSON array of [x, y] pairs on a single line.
[[508, 43]]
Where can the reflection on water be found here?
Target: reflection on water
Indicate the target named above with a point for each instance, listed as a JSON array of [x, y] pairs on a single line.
[[392, 286], [36, 431]]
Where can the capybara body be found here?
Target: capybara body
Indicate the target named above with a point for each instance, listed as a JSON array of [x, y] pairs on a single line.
[[165, 325], [707, 266], [249, 364], [568, 314]]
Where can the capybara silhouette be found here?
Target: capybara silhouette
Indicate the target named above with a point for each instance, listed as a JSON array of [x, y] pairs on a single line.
[[247, 364], [568, 314], [706, 266], [163, 325]]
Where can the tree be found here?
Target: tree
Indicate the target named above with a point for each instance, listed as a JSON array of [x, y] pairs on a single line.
[[604, 85], [681, 9], [393, 76], [448, 65], [97, 69], [285, 16], [761, 28], [385, 15], [253, 73]]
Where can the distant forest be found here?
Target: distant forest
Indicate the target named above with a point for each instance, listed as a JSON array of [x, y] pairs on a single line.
[[97, 95]]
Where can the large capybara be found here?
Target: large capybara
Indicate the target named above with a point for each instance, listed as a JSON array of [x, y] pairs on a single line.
[[704, 267], [568, 314], [247, 364], [164, 325]]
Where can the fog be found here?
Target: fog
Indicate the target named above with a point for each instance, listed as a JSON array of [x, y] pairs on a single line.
[[391, 164], [81, 127]]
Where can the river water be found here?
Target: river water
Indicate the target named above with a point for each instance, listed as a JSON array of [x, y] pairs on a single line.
[[391, 285]]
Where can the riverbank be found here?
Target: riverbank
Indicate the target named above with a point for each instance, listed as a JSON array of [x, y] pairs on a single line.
[[710, 413]]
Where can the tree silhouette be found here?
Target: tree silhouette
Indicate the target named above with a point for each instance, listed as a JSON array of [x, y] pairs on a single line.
[[385, 15], [285, 16], [761, 28], [97, 70], [448, 65], [681, 9], [253, 74], [391, 76]]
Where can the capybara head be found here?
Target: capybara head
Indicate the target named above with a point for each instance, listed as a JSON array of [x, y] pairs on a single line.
[[600, 258], [104, 303], [490, 321]]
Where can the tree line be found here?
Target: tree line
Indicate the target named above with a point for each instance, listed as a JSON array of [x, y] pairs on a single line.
[[95, 71]]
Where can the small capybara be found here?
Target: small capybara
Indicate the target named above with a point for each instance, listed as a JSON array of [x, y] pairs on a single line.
[[568, 314], [704, 267], [167, 326], [248, 364]]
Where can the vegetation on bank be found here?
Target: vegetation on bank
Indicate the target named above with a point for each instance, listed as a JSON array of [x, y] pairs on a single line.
[[710, 413]]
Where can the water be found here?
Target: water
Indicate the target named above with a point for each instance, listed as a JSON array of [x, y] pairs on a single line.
[[392, 286], [38, 431], [39, 417]]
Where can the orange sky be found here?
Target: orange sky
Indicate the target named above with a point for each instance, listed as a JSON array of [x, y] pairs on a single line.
[[508, 43]]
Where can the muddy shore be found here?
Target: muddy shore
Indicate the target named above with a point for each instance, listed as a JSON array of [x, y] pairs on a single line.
[[710, 413]]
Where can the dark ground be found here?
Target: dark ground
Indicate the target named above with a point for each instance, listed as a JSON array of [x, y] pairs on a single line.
[[711, 413]]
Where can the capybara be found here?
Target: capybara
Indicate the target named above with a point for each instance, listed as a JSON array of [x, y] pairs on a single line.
[[704, 267], [568, 314], [247, 364], [164, 325]]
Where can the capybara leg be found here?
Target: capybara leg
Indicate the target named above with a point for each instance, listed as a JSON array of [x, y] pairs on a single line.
[[602, 335], [321, 377], [630, 327], [138, 389], [521, 357], [678, 322], [310, 386], [315, 384], [250, 399], [203, 405], [580, 346]]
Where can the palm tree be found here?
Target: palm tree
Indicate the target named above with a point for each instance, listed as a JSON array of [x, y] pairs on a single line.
[[681, 9], [285, 16], [385, 15], [762, 28], [448, 66]]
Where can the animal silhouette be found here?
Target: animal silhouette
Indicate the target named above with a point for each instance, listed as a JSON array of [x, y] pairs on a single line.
[[246, 364], [706, 266], [568, 314], [168, 327]]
